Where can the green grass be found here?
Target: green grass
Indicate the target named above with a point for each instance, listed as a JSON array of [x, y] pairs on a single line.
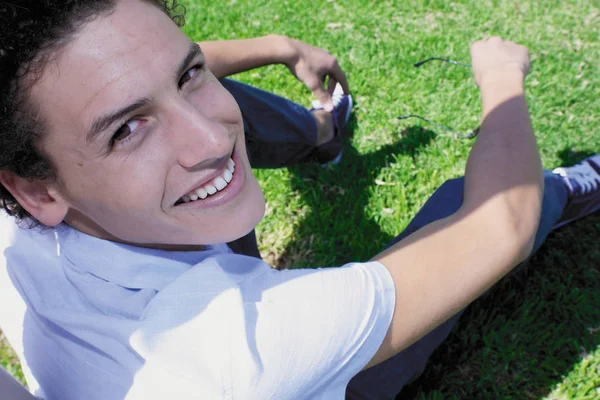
[[535, 336], [9, 359]]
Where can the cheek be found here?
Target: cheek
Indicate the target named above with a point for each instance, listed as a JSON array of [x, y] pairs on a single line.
[[93, 188], [215, 102]]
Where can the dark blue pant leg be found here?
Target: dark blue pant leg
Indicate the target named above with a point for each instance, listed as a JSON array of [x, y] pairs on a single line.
[[386, 380], [279, 132]]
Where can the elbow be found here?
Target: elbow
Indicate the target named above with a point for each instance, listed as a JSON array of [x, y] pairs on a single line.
[[521, 224], [525, 234], [511, 221]]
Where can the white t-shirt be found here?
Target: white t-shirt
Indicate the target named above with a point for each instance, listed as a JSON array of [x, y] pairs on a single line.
[[108, 321]]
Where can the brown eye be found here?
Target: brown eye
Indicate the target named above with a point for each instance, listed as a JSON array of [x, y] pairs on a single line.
[[190, 73], [124, 131], [121, 133]]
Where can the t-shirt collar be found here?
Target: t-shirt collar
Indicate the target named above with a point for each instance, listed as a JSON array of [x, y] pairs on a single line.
[[126, 265]]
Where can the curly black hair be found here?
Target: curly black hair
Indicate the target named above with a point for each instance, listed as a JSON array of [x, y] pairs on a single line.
[[31, 32]]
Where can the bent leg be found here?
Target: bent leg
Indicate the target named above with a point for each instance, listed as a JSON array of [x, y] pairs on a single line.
[[279, 132], [386, 380]]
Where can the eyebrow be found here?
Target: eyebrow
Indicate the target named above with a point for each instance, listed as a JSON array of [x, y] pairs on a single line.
[[103, 122], [100, 124], [193, 52]]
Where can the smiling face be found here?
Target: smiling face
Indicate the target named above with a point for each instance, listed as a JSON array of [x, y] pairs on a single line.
[[138, 128]]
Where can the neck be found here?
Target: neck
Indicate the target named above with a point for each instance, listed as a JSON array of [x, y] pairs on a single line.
[[74, 220]]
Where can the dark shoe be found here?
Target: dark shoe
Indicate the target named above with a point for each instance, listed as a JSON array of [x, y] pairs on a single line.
[[583, 184]]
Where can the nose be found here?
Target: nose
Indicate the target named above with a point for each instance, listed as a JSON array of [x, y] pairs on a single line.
[[197, 139]]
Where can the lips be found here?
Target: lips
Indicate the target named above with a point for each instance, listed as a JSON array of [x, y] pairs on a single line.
[[216, 184]]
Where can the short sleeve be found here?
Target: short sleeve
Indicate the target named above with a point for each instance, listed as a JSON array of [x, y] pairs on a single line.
[[233, 328], [316, 329]]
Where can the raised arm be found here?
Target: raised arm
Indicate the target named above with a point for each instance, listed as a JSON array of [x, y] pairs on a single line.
[[441, 268], [309, 64]]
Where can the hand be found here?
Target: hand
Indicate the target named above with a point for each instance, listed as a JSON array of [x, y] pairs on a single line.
[[312, 65], [493, 56]]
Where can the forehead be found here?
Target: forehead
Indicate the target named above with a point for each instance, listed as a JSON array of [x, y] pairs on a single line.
[[112, 59]]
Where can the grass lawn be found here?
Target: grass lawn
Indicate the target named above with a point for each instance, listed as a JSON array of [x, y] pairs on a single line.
[[536, 336]]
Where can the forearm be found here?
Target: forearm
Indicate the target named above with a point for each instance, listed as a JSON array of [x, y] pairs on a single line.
[[504, 170], [441, 268], [228, 57], [445, 265]]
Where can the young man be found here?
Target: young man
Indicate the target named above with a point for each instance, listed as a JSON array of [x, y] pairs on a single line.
[[132, 294]]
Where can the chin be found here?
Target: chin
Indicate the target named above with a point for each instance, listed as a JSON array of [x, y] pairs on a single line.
[[246, 220], [240, 222]]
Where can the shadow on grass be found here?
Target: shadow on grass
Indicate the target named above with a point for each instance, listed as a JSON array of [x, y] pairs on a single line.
[[569, 157], [529, 333], [337, 197], [521, 340]]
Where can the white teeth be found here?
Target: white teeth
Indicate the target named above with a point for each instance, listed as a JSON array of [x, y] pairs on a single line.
[[228, 176], [210, 189], [219, 183], [202, 193]]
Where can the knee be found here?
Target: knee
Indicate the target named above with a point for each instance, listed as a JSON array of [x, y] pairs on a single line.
[[446, 200], [453, 186]]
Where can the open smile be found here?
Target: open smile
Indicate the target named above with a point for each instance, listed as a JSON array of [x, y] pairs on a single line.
[[212, 187], [221, 188]]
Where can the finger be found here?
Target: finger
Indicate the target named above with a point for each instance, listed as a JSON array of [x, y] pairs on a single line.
[[324, 97], [331, 84], [339, 76]]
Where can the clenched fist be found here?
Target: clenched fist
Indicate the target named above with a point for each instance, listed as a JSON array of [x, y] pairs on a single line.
[[493, 57]]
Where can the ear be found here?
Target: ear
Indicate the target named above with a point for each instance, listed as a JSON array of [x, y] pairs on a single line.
[[41, 200]]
